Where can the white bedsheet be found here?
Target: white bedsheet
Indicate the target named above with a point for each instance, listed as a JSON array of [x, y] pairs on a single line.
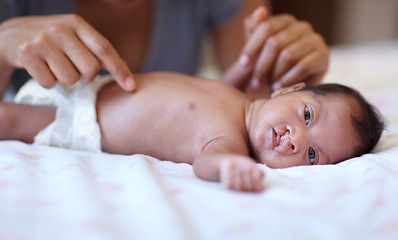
[[53, 193]]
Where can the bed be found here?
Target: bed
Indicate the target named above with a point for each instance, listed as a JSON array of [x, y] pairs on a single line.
[[53, 193]]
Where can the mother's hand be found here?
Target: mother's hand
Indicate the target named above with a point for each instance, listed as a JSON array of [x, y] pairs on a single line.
[[60, 48], [279, 51]]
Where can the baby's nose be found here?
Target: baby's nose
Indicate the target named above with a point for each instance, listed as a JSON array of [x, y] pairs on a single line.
[[299, 140]]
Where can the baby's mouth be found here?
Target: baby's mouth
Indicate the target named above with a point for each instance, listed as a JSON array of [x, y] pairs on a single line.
[[281, 143]]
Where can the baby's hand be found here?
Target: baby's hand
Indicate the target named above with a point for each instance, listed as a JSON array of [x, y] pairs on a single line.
[[241, 174]]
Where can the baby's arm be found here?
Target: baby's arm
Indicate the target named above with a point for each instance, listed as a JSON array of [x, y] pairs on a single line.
[[224, 161]]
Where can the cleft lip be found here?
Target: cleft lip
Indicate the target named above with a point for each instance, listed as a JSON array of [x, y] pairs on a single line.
[[285, 143], [280, 142]]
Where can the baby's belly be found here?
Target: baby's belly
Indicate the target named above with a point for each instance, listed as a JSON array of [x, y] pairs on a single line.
[[137, 123]]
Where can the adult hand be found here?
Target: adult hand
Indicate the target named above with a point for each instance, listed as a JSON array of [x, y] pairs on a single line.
[[60, 48], [279, 51]]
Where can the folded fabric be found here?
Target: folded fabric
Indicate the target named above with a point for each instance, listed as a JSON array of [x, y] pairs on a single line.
[[75, 125]]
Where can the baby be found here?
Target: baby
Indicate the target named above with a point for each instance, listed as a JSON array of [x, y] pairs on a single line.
[[206, 123]]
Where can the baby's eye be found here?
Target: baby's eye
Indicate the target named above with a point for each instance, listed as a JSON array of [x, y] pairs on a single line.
[[312, 155], [307, 115]]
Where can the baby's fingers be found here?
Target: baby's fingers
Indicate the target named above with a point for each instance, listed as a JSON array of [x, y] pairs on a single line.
[[248, 178], [257, 177], [251, 179], [226, 175], [231, 175], [242, 176]]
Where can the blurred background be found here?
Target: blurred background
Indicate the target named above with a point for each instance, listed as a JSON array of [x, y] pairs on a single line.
[[346, 21], [340, 22]]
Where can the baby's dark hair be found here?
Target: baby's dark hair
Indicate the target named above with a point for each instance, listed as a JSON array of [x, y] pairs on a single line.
[[368, 123]]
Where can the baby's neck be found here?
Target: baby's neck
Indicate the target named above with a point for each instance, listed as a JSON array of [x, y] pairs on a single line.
[[251, 109]]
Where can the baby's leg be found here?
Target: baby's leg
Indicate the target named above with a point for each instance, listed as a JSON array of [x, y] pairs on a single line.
[[23, 122]]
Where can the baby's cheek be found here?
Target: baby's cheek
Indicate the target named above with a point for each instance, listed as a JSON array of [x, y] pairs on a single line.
[[264, 157]]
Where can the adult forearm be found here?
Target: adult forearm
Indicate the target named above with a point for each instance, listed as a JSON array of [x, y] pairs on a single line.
[[5, 76], [6, 69]]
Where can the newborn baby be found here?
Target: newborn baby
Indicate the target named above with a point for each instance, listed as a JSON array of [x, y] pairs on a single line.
[[206, 123]]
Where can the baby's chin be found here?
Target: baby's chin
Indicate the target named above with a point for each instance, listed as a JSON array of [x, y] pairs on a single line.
[[268, 160]]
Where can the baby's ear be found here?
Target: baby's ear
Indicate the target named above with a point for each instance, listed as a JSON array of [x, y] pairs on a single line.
[[289, 89]]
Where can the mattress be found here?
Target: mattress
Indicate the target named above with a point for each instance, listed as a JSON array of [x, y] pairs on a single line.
[[54, 193]]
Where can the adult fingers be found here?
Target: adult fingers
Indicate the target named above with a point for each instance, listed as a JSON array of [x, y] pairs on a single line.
[[59, 64], [45, 63], [263, 31], [274, 45], [38, 70], [252, 21], [255, 45], [307, 69], [107, 55], [238, 74], [289, 56], [84, 61]]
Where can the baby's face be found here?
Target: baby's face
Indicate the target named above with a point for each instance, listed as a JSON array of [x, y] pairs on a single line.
[[301, 128]]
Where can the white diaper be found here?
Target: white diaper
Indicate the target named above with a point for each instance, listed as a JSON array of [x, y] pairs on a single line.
[[75, 125]]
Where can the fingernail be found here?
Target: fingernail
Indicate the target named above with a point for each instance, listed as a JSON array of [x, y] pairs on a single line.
[[244, 60], [276, 86], [257, 11], [130, 85], [255, 83]]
